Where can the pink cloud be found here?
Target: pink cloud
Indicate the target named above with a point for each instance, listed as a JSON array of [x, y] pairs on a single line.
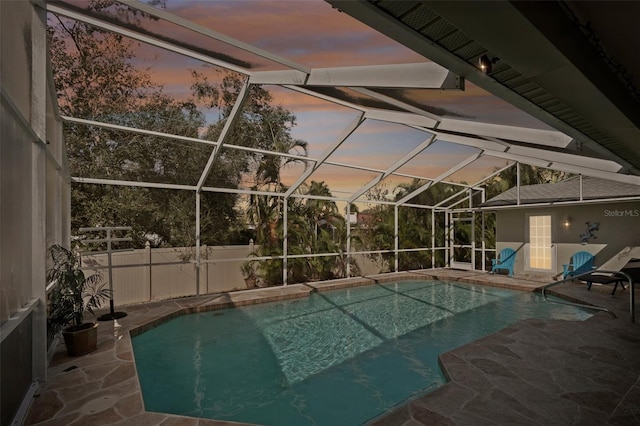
[[311, 32], [297, 101], [314, 34]]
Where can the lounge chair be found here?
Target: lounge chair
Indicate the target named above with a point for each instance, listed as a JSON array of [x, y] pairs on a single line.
[[506, 259], [605, 278], [581, 262], [632, 269]]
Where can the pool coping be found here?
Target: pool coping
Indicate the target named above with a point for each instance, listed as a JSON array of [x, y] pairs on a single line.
[[112, 369], [294, 291]]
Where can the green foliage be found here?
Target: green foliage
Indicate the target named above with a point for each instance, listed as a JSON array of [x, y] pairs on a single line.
[[314, 227], [98, 78], [74, 293], [414, 224]]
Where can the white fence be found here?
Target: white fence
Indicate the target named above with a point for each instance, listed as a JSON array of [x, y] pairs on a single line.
[[163, 273]]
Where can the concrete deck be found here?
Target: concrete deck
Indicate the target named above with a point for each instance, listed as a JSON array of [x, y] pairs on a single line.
[[534, 372]]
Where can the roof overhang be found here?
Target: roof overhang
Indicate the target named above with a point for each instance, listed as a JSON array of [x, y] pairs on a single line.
[[547, 67]]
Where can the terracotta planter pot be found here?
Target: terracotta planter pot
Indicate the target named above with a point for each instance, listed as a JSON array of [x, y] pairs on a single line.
[[81, 339]]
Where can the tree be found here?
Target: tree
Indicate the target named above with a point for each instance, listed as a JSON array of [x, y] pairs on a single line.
[[314, 226], [325, 232], [97, 78], [414, 225]]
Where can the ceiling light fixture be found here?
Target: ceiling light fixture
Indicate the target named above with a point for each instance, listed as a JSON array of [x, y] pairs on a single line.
[[485, 64]]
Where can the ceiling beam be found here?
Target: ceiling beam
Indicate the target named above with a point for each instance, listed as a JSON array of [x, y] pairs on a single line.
[[425, 75], [521, 134], [473, 18], [401, 118]]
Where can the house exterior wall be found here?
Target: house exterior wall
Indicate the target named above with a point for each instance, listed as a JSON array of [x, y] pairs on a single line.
[[34, 212], [619, 227]]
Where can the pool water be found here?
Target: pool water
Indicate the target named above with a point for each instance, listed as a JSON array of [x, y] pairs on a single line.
[[336, 358]]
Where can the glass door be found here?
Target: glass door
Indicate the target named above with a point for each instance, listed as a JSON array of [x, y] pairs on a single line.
[[462, 252], [540, 253]]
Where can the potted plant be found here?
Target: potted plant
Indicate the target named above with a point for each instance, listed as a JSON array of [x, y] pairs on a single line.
[[73, 294]]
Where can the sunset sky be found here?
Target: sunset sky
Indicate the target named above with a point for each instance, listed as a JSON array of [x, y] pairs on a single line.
[[312, 33]]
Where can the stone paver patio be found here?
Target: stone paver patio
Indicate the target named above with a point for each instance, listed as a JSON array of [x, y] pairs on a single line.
[[534, 372]]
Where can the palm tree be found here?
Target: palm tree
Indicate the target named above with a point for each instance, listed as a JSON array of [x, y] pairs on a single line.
[[325, 219], [321, 212], [276, 137], [414, 230], [264, 211]]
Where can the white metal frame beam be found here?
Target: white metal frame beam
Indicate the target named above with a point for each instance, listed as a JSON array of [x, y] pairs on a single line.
[[488, 139], [279, 77], [381, 75], [408, 157], [535, 136], [231, 146], [402, 118], [135, 130], [54, 8], [170, 17], [470, 140], [425, 75], [355, 123], [368, 14], [120, 182], [553, 203], [234, 115], [496, 173], [395, 102], [535, 156], [323, 76], [182, 138], [440, 178], [564, 158]]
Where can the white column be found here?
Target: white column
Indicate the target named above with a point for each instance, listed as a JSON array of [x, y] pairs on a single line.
[[396, 242], [285, 238], [348, 240], [197, 243], [39, 189], [433, 239]]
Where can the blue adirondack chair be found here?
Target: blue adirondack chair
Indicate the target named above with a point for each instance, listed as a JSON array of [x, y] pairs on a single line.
[[506, 259], [581, 262]]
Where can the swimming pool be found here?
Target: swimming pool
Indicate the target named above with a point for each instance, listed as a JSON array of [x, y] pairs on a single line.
[[335, 358]]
